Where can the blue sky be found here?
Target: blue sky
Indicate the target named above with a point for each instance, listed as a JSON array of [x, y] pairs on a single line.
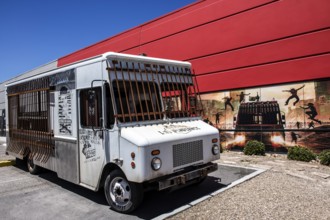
[[35, 32]]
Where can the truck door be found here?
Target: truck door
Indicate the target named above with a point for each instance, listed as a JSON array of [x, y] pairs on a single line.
[[91, 140]]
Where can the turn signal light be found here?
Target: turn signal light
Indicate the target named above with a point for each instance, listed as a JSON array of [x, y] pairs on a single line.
[[155, 152], [215, 140]]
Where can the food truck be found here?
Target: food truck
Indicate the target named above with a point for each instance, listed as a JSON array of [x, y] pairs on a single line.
[[118, 122]]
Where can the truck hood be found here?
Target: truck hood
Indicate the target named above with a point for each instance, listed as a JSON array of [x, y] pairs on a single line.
[[161, 133]]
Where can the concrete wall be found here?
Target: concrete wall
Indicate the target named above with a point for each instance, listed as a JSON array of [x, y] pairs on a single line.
[[49, 66]]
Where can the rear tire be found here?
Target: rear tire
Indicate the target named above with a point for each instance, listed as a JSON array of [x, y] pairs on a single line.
[[122, 195], [32, 168]]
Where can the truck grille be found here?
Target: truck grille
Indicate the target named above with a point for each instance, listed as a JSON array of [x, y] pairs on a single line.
[[187, 153]]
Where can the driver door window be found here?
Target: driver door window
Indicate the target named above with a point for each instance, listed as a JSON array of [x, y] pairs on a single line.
[[91, 107]]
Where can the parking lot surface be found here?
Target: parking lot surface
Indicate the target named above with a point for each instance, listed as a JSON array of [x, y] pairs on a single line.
[[44, 196]]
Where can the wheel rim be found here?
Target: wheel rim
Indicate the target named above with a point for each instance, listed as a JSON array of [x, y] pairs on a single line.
[[120, 191]]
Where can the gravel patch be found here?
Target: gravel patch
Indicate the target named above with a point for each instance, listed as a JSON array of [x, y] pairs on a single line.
[[287, 190]]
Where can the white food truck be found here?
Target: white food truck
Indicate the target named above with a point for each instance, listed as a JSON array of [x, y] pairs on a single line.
[[120, 122]]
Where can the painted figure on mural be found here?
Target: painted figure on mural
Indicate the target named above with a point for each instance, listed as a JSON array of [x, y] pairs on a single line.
[[227, 102], [311, 125], [298, 124], [294, 137], [206, 120], [294, 95], [312, 113], [242, 97], [254, 98], [217, 118], [257, 98]]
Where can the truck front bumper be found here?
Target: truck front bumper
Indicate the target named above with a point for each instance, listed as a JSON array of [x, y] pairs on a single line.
[[186, 177]]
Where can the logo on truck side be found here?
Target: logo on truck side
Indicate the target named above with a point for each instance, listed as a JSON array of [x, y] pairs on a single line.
[[89, 142], [177, 129]]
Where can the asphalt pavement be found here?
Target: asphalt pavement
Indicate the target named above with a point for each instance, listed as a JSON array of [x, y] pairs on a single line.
[[45, 196]]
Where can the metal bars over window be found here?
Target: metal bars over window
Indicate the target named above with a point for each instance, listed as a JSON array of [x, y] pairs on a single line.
[[149, 91], [29, 121]]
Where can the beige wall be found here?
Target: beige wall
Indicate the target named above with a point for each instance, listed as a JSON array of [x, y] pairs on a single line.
[[44, 68], [47, 67]]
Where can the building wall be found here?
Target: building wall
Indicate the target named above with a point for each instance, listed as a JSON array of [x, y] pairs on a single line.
[[241, 46], [302, 120], [231, 44], [234, 44], [44, 68], [258, 47]]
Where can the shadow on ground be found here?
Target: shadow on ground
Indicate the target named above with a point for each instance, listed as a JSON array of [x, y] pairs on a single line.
[[157, 203]]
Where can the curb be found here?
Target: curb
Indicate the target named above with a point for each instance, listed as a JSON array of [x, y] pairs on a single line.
[[257, 171], [7, 163]]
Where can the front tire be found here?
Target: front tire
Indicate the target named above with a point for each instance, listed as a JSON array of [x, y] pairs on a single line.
[[123, 196]]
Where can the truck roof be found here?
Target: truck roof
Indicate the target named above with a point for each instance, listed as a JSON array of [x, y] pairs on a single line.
[[122, 56], [107, 55]]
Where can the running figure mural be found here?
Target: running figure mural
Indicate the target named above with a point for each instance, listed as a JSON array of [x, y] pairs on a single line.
[[294, 95], [303, 107], [312, 113], [227, 102], [242, 97]]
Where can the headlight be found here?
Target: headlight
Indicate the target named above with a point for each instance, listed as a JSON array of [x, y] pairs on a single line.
[[156, 163], [215, 149]]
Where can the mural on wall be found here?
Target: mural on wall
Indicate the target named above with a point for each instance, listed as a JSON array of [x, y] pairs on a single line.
[[279, 116]]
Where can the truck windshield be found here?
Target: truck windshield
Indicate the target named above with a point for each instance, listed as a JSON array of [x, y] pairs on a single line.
[[149, 91]]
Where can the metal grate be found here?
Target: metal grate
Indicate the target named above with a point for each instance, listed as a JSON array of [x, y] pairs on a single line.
[[29, 120], [187, 153], [148, 91]]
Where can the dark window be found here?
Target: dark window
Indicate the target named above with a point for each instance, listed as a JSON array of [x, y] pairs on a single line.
[[91, 107], [137, 101], [150, 91], [33, 111]]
